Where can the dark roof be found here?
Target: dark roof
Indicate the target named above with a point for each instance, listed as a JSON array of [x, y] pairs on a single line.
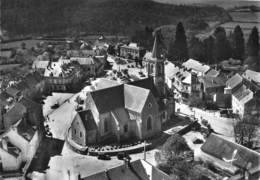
[[109, 98], [146, 83], [31, 80], [211, 81], [221, 148], [88, 120], [129, 171], [17, 111], [3, 98], [12, 91], [25, 129]]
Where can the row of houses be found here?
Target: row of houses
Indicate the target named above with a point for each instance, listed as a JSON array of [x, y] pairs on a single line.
[[194, 80], [20, 119]]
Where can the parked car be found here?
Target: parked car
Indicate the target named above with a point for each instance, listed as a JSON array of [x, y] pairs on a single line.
[[55, 106], [123, 155], [104, 157]]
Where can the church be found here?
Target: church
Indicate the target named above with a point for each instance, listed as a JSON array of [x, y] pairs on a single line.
[[134, 110]]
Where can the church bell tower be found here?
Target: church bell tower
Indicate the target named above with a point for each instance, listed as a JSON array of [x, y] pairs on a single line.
[[155, 66]]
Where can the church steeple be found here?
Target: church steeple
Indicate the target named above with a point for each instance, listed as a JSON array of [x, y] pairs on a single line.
[[156, 52], [155, 65]]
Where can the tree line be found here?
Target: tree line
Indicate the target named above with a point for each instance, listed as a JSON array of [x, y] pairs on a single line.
[[216, 47]]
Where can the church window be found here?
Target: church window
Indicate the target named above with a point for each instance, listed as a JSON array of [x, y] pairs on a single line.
[[149, 105], [149, 123], [125, 128]]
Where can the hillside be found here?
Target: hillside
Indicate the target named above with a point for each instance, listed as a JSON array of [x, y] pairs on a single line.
[[37, 17]]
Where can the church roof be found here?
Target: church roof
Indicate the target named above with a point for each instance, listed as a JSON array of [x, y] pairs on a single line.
[[156, 53]]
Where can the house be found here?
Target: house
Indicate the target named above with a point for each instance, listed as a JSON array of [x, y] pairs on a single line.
[[184, 83], [244, 95], [213, 89], [252, 76], [21, 108], [121, 112], [132, 51], [233, 83], [195, 66], [135, 170], [11, 156], [227, 155], [61, 75], [31, 86], [87, 63], [24, 136]]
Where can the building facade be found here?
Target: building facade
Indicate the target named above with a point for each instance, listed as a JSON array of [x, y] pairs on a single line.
[[132, 51]]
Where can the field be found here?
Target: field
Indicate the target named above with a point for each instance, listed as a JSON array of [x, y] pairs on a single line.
[[222, 3], [246, 20]]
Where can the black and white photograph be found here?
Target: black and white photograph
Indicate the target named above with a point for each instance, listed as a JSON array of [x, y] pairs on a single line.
[[129, 90]]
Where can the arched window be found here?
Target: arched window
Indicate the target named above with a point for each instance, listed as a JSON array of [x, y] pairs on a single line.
[[125, 128], [80, 134], [149, 123]]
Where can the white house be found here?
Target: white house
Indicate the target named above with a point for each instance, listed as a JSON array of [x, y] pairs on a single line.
[[24, 137], [197, 67], [11, 156]]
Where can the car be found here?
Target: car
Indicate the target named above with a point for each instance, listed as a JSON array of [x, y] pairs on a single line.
[[123, 155], [55, 106], [102, 156]]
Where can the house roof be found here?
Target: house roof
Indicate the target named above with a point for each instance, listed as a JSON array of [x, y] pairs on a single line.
[[11, 149], [40, 64], [3, 98], [212, 81], [17, 111], [252, 75], [135, 97], [12, 91], [109, 98], [170, 69], [243, 94], [212, 73], [196, 66], [88, 120], [131, 171], [25, 129], [146, 83], [128, 96], [83, 60], [234, 81], [221, 148], [32, 80]]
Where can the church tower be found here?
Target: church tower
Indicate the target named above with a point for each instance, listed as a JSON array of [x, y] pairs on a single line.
[[155, 66]]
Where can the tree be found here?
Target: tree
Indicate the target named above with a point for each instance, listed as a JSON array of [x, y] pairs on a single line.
[[209, 49], [174, 145], [178, 49], [196, 49], [238, 43], [245, 129], [253, 43], [222, 46]]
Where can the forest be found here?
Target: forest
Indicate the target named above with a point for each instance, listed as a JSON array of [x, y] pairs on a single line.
[[69, 17]]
